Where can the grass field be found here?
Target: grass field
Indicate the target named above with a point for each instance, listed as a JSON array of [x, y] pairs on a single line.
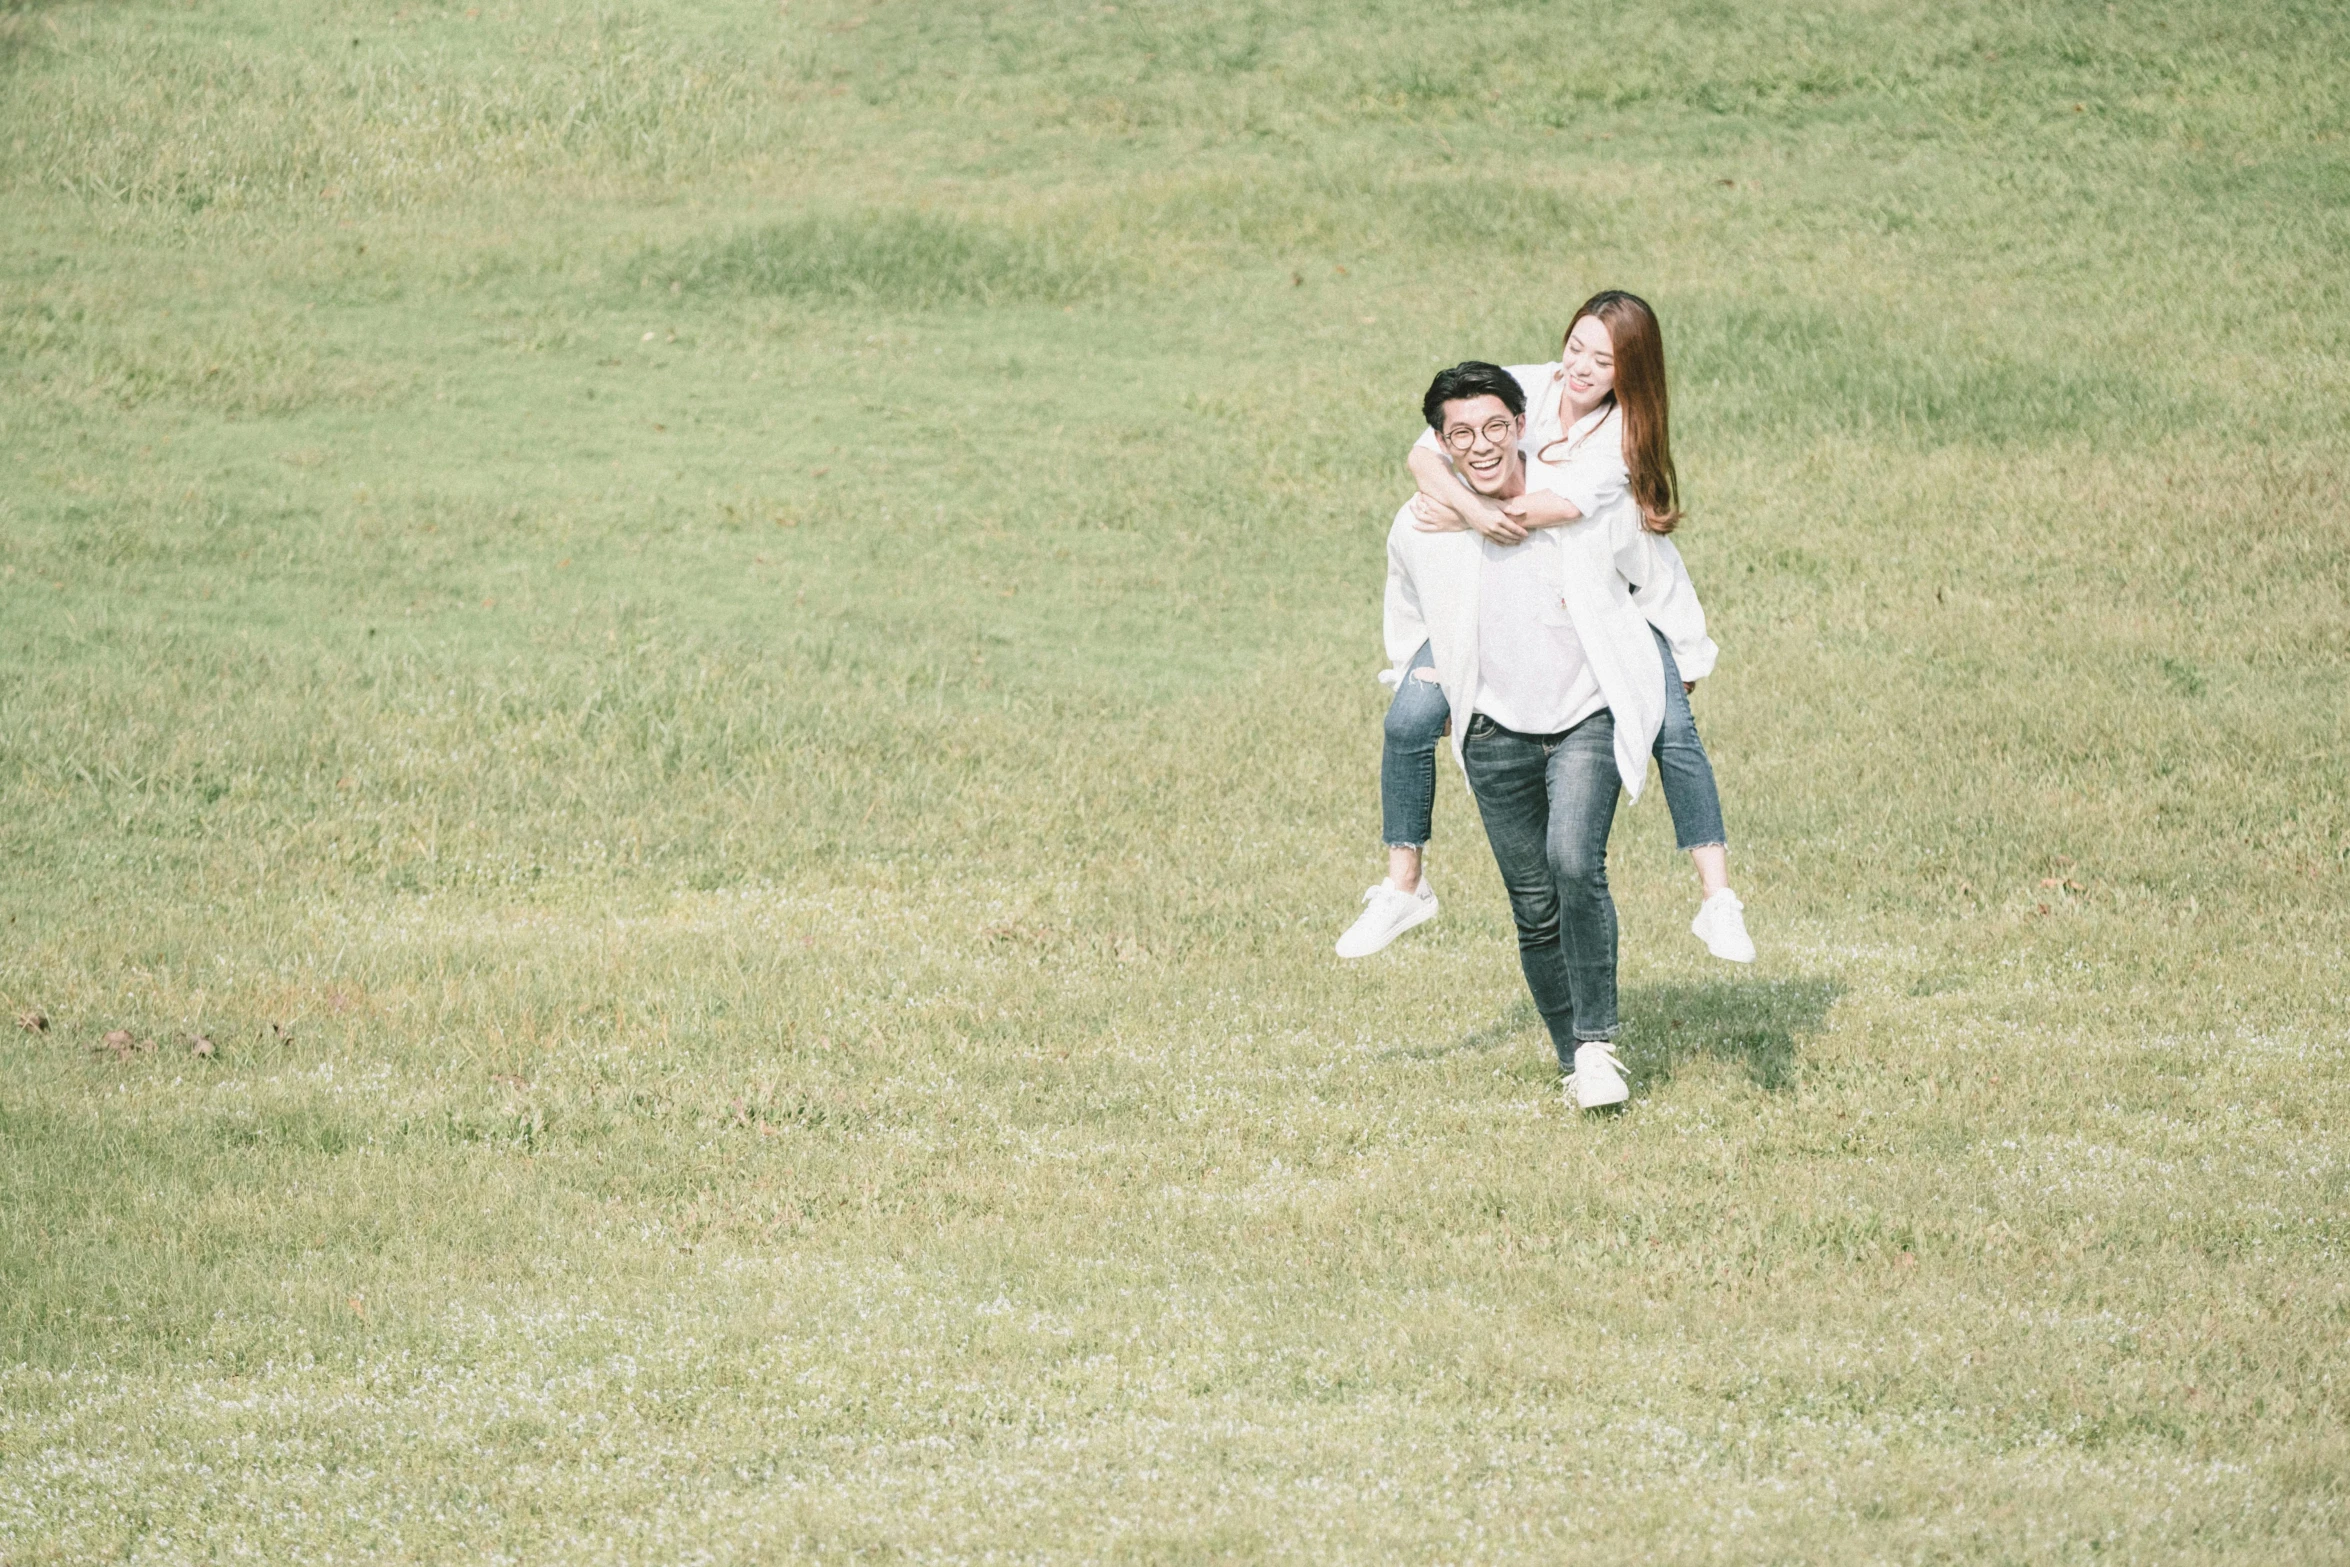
[[725, 653]]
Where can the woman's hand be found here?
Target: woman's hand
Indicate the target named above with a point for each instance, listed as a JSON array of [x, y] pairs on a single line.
[[1431, 515]]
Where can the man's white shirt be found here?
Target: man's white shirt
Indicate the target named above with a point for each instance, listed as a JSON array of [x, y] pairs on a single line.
[[1531, 672], [1540, 636]]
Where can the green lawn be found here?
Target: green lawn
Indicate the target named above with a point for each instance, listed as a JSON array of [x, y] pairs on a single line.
[[725, 652]]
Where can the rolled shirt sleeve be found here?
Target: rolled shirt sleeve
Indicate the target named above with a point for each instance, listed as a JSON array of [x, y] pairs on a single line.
[[1589, 473], [1589, 481]]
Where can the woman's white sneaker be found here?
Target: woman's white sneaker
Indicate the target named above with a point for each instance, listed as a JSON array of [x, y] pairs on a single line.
[[1598, 1078], [1389, 915], [1721, 925]]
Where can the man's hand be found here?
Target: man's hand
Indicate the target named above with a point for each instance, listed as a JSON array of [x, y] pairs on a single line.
[[1431, 515]]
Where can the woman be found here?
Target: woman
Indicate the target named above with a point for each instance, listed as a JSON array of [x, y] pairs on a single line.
[[1598, 447]]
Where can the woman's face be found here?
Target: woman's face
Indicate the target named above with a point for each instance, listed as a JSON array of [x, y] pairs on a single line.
[[1589, 362]]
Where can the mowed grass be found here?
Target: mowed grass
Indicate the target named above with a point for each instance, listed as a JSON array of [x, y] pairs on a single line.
[[725, 652]]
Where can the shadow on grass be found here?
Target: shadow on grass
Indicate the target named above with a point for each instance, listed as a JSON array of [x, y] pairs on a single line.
[[1753, 1022]]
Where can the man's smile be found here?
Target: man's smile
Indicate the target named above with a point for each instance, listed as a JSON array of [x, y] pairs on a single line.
[[1487, 463]]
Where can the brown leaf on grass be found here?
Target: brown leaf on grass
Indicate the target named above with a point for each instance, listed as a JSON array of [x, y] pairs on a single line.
[[118, 1043], [201, 1046], [509, 1080], [33, 1022], [2052, 881]]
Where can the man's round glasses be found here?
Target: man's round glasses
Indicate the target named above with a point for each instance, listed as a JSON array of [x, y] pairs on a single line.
[[1461, 437]]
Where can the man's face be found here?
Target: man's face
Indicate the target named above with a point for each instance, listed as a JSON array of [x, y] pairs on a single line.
[[1481, 434]]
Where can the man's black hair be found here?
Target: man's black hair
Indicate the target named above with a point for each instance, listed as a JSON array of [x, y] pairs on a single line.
[[1470, 378]]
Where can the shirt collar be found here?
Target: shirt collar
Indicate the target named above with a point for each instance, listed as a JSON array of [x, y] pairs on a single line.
[[1581, 430]]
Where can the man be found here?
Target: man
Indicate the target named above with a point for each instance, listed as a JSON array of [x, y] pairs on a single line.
[[1539, 645]]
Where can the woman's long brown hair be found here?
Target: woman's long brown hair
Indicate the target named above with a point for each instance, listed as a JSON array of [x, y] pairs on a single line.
[[1639, 345]]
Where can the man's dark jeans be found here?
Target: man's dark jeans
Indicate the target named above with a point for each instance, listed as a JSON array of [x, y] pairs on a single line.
[[1549, 802]]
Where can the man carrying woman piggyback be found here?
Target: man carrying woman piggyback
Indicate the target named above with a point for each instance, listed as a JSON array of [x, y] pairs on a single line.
[[1532, 588]]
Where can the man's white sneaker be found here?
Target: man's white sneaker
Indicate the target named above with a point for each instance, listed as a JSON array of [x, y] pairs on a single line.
[[1389, 915], [1598, 1078], [1721, 925]]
